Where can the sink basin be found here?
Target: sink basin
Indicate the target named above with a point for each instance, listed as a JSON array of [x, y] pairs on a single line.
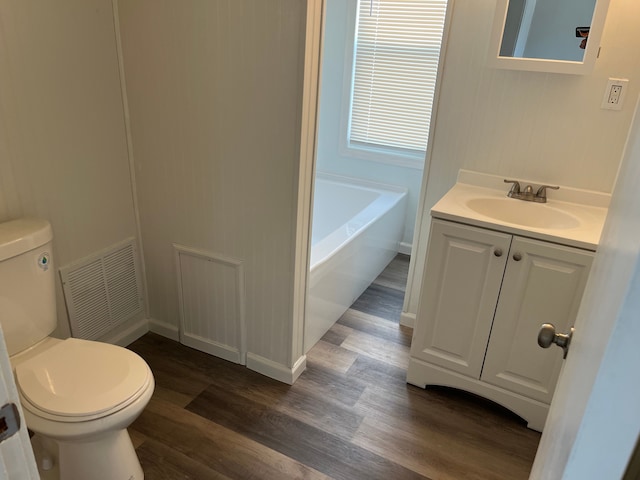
[[523, 213]]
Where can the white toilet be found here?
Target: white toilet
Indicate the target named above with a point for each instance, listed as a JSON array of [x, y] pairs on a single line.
[[80, 394]]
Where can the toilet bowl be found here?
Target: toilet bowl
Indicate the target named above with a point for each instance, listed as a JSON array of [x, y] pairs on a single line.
[[83, 395], [78, 396]]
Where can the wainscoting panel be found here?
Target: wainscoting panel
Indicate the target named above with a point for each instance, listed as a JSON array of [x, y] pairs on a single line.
[[211, 298]]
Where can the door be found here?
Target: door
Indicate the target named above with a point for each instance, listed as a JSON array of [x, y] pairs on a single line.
[[543, 283], [465, 266], [16, 456], [594, 420]]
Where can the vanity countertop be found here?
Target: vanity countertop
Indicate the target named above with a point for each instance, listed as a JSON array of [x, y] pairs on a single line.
[[575, 223]]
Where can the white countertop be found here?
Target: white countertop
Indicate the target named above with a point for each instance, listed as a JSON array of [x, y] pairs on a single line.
[[583, 232]]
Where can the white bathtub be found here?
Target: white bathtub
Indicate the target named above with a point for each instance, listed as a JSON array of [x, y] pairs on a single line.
[[356, 231]]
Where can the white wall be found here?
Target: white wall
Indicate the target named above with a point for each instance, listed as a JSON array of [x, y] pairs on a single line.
[[63, 151], [215, 92], [337, 44], [538, 126]]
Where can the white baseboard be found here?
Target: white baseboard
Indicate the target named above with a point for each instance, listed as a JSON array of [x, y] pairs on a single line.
[[216, 349], [165, 329], [408, 319], [405, 248], [254, 362], [275, 370], [127, 334], [298, 368]]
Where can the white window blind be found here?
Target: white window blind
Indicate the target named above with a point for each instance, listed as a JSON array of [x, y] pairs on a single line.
[[397, 47]]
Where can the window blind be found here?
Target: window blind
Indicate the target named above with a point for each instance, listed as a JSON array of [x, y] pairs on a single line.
[[397, 47]]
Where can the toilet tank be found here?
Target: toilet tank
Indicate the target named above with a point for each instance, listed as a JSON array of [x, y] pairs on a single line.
[[27, 283]]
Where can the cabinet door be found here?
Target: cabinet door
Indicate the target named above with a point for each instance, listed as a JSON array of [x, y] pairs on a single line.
[[460, 287], [544, 286]]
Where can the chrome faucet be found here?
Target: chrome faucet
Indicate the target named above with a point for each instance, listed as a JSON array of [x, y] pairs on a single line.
[[527, 194]]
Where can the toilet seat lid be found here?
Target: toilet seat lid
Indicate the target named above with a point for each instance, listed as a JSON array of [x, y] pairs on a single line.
[[80, 377]]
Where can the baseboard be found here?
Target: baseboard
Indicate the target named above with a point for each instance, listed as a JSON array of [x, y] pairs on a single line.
[[216, 349], [408, 319], [405, 248], [126, 335], [298, 368], [165, 329], [275, 370], [254, 362]]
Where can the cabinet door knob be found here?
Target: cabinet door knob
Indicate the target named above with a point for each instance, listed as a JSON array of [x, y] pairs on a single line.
[[517, 256], [497, 252]]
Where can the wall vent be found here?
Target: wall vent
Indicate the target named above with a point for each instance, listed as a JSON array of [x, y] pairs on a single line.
[[103, 290]]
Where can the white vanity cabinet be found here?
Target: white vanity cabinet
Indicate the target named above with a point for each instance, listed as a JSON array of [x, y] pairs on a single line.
[[484, 296], [459, 296]]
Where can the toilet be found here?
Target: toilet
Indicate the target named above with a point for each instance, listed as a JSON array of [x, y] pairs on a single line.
[[79, 396]]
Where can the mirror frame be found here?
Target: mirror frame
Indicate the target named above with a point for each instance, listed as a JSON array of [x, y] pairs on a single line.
[[547, 65]]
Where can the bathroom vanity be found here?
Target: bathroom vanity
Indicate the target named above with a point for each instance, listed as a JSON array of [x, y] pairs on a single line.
[[496, 270]]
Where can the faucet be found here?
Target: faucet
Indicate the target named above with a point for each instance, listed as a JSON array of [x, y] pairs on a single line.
[[527, 193]]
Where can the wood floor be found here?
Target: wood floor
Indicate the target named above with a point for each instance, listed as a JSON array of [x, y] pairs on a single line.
[[350, 415]]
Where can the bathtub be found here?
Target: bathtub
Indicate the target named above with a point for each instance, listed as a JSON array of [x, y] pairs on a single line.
[[356, 231]]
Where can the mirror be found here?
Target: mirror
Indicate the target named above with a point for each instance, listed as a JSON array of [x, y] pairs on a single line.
[[561, 36]]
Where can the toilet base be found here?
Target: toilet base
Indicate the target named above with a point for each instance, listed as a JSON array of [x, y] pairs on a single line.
[[110, 456], [45, 451]]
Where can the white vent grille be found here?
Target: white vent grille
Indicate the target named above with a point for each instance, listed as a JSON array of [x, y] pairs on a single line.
[[103, 290]]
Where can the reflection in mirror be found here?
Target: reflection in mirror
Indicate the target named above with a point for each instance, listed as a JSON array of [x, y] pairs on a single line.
[[547, 29]]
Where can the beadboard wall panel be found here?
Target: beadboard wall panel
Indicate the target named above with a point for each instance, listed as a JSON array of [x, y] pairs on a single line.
[[538, 126], [63, 152], [211, 299], [214, 91], [543, 126]]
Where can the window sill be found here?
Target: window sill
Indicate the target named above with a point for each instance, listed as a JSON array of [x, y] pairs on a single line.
[[384, 155]]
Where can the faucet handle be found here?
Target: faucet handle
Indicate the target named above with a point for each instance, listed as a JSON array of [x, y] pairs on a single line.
[[542, 191], [515, 188]]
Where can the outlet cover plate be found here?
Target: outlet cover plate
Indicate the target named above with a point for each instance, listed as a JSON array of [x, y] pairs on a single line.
[[614, 93]]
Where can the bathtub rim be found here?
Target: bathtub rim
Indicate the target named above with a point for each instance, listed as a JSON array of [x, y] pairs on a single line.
[[391, 195]]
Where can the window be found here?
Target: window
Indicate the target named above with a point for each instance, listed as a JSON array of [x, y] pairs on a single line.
[[396, 53]]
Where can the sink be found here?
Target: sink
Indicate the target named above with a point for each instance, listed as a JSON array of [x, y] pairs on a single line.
[[523, 213]]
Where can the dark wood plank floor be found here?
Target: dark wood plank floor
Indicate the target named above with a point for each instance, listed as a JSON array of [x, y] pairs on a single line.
[[350, 415]]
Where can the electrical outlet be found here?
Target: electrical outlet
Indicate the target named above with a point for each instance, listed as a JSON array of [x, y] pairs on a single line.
[[614, 93]]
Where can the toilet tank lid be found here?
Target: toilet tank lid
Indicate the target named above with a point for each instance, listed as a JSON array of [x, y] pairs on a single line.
[[20, 236]]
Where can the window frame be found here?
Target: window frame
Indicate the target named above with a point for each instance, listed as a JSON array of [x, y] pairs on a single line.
[[381, 154]]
